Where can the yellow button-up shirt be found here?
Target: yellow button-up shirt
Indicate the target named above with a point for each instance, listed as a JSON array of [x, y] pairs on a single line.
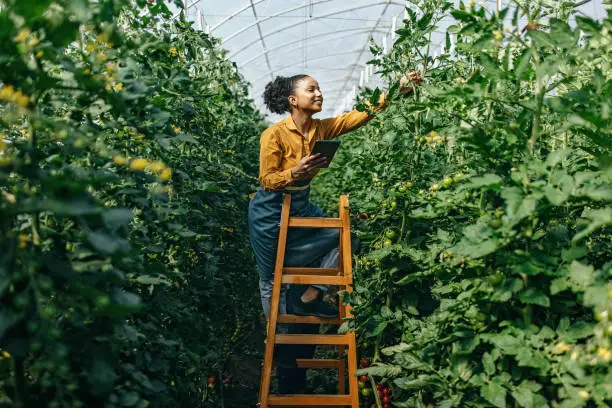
[[282, 146]]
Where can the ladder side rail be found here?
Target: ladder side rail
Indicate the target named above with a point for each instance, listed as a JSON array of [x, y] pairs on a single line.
[[264, 391], [347, 267]]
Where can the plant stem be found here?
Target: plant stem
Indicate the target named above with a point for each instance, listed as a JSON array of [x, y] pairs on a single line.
[[20, 386]]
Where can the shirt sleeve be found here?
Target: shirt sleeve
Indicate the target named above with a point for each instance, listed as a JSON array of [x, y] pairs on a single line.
[[334, 127], [271, 175]]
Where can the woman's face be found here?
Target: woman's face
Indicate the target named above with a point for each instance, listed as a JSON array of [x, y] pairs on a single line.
[[307, 96]]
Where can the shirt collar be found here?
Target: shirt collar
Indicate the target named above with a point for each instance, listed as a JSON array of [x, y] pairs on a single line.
[[291, 126]]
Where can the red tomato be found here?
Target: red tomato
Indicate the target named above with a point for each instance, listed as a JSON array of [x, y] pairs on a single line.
[[364, 362], [386, 406], [381, 395], [211, 379], [363, 378], [386, 400], [379, 387], [387, 391]]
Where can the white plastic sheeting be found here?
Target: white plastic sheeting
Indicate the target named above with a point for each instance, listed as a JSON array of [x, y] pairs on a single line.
[[328, 39]]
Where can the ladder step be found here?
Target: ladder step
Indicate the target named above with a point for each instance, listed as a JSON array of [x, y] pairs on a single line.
[[309, 400], [328, 339], [316, 280], [290, 318], [312, 271], [319, 363], [314, 222]]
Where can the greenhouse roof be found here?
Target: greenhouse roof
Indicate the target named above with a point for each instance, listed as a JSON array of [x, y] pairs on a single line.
[[328, 39]]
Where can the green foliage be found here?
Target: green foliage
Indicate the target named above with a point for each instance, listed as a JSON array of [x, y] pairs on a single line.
[[127, 145], [495, 178]]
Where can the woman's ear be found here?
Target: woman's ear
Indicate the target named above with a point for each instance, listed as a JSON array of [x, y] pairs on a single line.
[[292, 101]]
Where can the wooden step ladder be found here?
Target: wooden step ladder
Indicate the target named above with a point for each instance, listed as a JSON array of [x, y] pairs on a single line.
[[342, 276]]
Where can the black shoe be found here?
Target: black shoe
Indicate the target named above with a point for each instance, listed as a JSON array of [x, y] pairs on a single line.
[[316, 307]]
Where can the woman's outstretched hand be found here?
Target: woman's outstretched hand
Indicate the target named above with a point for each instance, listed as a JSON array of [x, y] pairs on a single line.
[[407, 82], [307, 166]]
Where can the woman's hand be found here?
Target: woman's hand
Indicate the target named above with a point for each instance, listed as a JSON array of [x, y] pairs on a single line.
[[412, 78], [307, 166]]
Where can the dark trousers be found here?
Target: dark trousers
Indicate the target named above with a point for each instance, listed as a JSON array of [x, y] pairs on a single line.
[[293, 380]]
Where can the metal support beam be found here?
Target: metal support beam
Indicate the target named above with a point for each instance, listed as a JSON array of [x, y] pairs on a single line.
[[314, 59], [280, 13], [366, 45], [289, 26], [353, 31], [263, 42]]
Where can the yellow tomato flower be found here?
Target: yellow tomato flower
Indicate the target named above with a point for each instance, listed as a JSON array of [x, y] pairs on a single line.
[[23, 240], [498, 35], [6, 354], [157, 166], [176, 129], [584, 394], [166, 174], [23, 35], [120, 160], [604, 353], [6, 92], [561, 348], [22, 101], [138, 164], [173, 51], [118, 87], [39, 54]]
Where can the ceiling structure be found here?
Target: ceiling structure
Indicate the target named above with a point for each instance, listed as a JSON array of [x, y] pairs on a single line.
[[328, 39]]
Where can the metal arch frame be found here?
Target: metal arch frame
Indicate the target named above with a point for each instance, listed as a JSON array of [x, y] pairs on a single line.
[[234, 14], [283, 45], [364, 47], [313, 59], [263, 42], [287, 27], [332, 91], [316, 70], [280, 13]]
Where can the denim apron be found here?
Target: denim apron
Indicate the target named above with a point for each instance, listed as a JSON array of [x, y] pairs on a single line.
[[305, 246]]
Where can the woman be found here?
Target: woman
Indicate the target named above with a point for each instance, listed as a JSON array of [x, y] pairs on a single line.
[[287, 167]]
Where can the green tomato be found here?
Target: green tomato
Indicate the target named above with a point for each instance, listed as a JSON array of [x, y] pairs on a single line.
[[495, 279], [361, 384], [601, 316], [102, 301], [21, 301], [393, 205], [496, 223], [387, 242], [391, 234], [366, 392], [33, 326], [447, 182]]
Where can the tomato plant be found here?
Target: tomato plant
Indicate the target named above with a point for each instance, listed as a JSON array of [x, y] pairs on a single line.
[[495, 290], [124, 181]]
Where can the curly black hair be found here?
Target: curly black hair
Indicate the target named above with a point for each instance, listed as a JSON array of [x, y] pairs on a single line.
[[277, 93]]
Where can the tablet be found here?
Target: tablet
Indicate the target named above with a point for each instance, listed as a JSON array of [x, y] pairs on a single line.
[[327, 148]]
